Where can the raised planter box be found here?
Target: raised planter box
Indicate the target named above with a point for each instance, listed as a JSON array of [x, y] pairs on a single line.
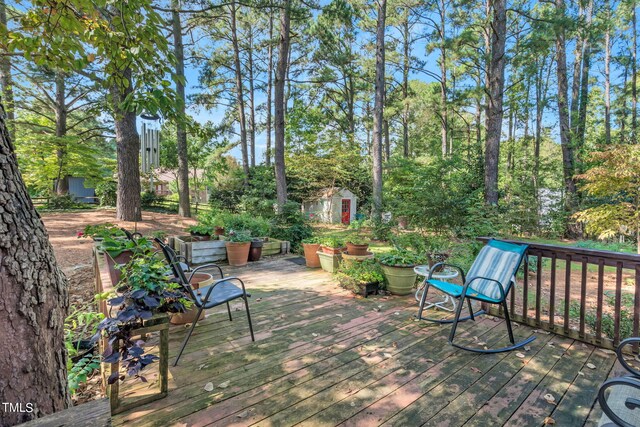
[[329, 263], [198, 251], [274, 247]]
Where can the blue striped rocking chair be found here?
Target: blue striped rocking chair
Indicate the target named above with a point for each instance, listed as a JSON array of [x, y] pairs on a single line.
[[489, 280]]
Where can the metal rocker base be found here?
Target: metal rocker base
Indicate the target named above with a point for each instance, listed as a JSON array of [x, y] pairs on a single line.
[[495, 350], [448, 321]]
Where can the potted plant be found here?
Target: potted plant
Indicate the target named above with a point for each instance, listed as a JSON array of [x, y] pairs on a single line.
[[99, 232], [201, 231], [362, 278], [146, 290], [397, 266], [255, 251], [119, 252], [332, 245], [311, 246], [238, 244], [357, 244]]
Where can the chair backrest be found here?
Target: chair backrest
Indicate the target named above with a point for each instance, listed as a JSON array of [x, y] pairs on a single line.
[[499, 261], [127, 233], [176, 268]]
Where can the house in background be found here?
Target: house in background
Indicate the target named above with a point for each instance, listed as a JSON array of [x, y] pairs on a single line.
[[332, 205], [78, 191], [164, 180]]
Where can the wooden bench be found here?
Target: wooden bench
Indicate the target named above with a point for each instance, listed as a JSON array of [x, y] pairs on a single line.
[[96, 413]]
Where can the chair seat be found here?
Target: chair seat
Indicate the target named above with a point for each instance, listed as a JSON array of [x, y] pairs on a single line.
[[456, 291], [222, 293]]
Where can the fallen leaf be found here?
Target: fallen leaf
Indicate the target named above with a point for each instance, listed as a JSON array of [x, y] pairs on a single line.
[[314, 334], [353, 403], [208, 387], [549, 420], [339, 315], [224, 384], [395, 344], [201, 367], [474, 369], [549, 398], [258, 299], [429, 360], [527, 348], [397, 313], [591, 366], [520, 355], [242, 414], [581, 373], [606, 351]]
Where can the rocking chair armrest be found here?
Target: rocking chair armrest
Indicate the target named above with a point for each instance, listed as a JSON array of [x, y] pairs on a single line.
[[619, 400], [206, 266], [621, 359], [500, 287], [444, 264]]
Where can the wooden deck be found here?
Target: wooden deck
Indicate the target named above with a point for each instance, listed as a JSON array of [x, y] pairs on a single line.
[[323, 357]]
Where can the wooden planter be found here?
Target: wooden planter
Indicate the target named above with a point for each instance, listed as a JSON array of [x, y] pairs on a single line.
[[349, 259], [357, 249], [329, 263], [198, 251], [310, 254], [238, 253], [370, 289], [189, 316], [400, 279], [120, 260]]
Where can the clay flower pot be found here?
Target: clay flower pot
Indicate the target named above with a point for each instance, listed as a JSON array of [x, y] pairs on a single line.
[[357, 249], [331, 251], [310, 255], [238, 253], [219, 231]]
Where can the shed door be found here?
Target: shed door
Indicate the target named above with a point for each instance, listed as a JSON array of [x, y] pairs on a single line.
[[346, 211]]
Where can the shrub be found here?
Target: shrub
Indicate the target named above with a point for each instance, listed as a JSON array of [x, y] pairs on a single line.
[[149, 199], [291, 225], [61, 202], [354, 276], [106, 192], [402, 258]]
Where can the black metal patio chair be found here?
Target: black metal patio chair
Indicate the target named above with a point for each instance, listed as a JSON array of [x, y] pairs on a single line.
[[131, 236], [222, 291], [620, 397], [489, 280]]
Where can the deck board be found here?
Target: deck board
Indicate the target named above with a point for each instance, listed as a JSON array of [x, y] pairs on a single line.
[[323, 357]]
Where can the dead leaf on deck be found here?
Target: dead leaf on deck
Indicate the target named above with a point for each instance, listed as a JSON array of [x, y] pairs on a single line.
[[429, 360], [208, 387], [581, 373], [224, 384], [527, 348], [591, 366], [339, 315], [395, 344], [201, 367], [520, 355], [476, 370], [258, 299], [549, 420], [397, 313], [549, 398], [314, 334]]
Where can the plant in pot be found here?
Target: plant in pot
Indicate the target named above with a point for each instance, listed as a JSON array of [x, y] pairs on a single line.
[[332, 245], [99, 232], [201, 231], [238, 244], [362, 278], [397, 266], [119, 252], [311, 246], [146, 290], [357, 242]]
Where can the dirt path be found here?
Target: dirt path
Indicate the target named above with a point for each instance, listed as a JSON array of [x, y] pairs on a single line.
[[74, 254]]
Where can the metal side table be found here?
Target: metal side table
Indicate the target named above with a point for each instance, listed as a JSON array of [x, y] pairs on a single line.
[[444, 275]]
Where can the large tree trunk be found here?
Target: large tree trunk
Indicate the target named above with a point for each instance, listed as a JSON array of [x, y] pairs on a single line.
[[634, 76], [34, 302], [406, 62], [607, 75], [128, 153], [269, 89], [6, 81], [62, 181], [239, 90], [252, 105], [496, 92], [378, 112], [280, 80], [563, 111], [184, 202], [444, 119]]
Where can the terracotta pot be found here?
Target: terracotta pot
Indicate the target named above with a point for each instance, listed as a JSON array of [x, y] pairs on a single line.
[[238, 253], [357, 249], [121, 259], [332, 251], [189, 316], [219, 231], [310, 256]]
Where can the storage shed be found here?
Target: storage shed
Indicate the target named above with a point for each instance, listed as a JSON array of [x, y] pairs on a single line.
[[332, 205]]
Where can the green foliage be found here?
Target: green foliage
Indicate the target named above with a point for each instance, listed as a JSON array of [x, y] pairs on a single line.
[[150, 198], [357, 274], [106, 192], [255, 225], [402, 258], [61, 202], [239, 236], [333, 242], [102, 231], [115, 247], [201, 229], [81, 370], [291, 225]]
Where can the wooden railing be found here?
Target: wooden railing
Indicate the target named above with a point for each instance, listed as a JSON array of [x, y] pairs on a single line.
[[589, 295]]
